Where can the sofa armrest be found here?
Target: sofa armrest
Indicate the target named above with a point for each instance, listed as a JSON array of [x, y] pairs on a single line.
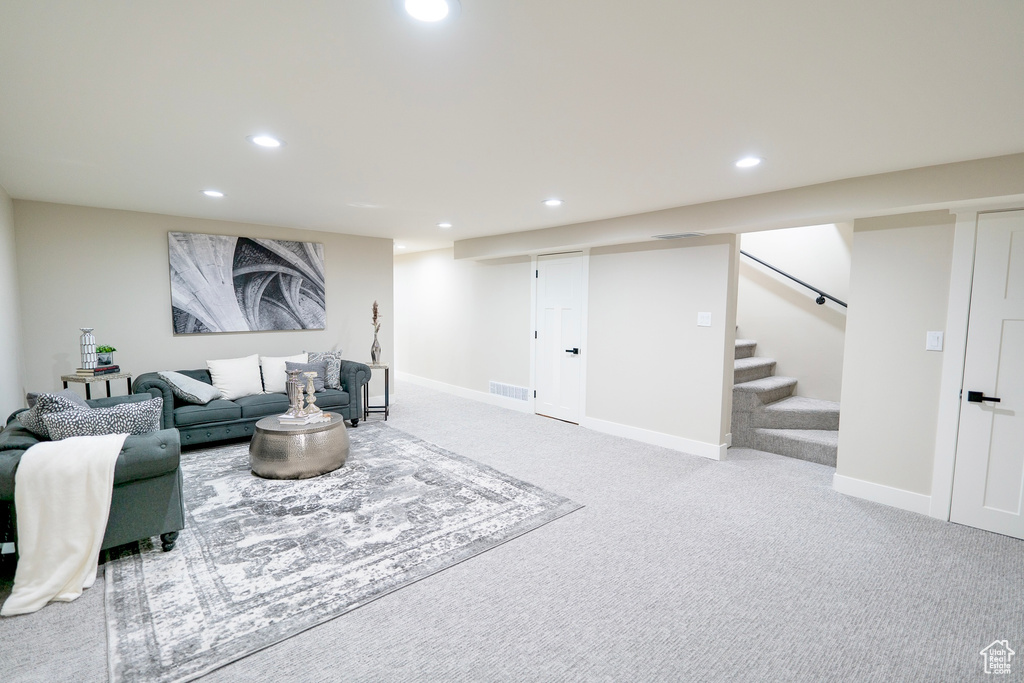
[[157, 387], [148, 455], [353, 376]]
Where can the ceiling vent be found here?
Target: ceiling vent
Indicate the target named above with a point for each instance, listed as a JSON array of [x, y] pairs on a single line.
[[678, 235]]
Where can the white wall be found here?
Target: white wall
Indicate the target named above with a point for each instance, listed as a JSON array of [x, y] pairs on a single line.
[[650, 366], [108, 269], [652, 374], [899, 290], [804, 338], [12, 395], [463, 323]]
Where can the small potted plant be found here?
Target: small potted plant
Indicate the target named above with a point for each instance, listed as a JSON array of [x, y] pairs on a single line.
[[105, 355]]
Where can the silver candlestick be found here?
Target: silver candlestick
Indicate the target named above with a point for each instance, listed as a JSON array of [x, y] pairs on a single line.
[[311, 406]]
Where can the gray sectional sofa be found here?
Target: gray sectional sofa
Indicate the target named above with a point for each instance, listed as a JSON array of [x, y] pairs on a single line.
[[221, 420], [147, 498]]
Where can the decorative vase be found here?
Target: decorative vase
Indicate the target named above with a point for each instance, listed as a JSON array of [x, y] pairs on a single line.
[[105, 358], [87, 344], [375, 350], [292, 389]]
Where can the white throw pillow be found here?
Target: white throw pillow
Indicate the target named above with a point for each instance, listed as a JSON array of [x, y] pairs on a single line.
[[274, 377], [236, 377]]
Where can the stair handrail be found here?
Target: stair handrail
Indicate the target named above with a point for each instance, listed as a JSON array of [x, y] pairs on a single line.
[[821, 295]]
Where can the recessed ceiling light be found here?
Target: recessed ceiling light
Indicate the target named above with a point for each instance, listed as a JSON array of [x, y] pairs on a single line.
[[213, 193], [264, 140], [431, 10], [444, 225], [748, 162], [552, 202], [399, 246]]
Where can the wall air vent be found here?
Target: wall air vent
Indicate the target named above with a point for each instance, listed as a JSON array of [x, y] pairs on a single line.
[[678, 235], [510, 391]]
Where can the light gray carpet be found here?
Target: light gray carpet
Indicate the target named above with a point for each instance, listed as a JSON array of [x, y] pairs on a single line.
[[266, 559], [678, 568]]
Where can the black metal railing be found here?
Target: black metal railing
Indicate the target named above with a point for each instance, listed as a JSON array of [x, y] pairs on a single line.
[[821, 295]]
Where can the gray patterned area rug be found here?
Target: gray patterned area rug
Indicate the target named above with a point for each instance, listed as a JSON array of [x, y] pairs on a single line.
[[262, 560]]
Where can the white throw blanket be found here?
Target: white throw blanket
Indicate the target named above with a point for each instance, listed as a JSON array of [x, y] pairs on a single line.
[[62, 492]]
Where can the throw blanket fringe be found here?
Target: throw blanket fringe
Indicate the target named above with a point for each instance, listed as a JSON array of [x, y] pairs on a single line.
[[62, 493]]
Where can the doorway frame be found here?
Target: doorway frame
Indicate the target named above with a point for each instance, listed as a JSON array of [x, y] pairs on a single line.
[[584, 313], [958, 310]]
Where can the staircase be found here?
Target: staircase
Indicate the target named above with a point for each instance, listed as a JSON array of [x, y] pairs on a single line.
[[767, 416]]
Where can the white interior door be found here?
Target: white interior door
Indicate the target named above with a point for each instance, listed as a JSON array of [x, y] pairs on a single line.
[[988, 482], [559, 329]]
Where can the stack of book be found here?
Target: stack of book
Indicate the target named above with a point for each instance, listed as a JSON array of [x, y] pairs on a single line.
[[305, 420], [97, 371]]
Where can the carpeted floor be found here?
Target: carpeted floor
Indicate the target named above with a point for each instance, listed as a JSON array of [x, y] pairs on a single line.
[[678, 568]]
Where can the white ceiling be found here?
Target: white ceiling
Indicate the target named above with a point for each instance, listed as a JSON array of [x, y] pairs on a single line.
[[392, 126]]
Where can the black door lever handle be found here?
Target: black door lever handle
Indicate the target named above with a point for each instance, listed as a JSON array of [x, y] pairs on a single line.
[[574, 351], [978, 397]]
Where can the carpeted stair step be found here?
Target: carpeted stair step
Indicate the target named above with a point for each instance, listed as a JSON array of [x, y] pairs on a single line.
[[813, 445], [797, 412], [745, 348], [749, 369], [759, 392]]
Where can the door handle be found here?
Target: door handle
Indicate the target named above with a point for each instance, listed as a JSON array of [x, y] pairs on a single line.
[[574, 351], [978, 397]]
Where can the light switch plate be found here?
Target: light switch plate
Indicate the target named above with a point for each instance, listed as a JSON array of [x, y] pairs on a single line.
[[703, 320], [933, 342]]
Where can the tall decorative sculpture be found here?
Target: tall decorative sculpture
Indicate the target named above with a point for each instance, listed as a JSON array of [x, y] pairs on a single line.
[[375, 349]]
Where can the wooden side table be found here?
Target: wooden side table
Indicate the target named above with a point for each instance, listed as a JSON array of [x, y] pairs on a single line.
[[87, 380], [386, 408]]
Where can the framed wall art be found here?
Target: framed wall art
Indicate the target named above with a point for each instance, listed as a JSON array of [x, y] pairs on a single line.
[[221, 283]]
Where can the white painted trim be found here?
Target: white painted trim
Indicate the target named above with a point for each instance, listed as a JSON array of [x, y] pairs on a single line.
[[880, 493], [534, 266], [676, 443], [958, 311], [584, 325], [483, 396]]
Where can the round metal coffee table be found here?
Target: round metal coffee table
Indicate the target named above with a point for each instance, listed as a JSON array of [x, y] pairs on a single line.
[[284, 451]]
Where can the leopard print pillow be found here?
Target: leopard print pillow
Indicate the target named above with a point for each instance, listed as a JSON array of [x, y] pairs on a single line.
[[47, 404], [124, 418]]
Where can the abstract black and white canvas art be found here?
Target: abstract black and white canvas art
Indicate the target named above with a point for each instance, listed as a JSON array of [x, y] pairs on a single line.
[[221, 283]]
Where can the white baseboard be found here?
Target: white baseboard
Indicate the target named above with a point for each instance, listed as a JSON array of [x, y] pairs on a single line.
[[880, 493], [676, 443], [493, 399]]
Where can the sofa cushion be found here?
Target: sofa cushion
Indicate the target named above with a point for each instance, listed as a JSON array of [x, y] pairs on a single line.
[[16, 438], [190, 390], [332, 398], [236, 377], [46, 404], [332, 380], [217, 410], [125, 418], [273, 371], [319, 368], [264, 404]]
